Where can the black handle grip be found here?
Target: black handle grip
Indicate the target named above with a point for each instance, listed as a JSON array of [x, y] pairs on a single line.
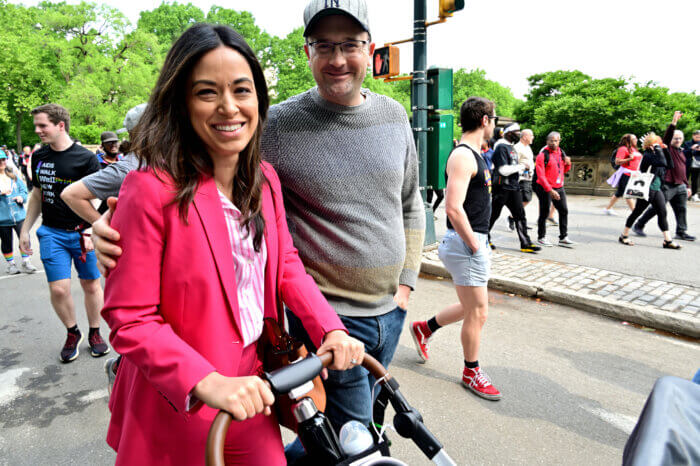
[[289, 377]]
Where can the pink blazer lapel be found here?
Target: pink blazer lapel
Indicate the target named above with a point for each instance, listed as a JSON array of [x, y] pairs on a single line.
[[211, 214], [272, 245]]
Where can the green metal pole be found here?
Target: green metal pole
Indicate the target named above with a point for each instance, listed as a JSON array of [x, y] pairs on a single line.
[[419, 104]]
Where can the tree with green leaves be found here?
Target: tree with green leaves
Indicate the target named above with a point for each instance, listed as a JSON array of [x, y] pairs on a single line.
[[169, 20], [593, 114], [474, 83], [288, 69], [31, 75], [244, 23]]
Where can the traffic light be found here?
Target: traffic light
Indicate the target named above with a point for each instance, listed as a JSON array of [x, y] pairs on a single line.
[[386, 62], [447, 7]]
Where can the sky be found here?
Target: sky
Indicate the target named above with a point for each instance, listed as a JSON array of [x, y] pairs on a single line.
[[646, 40]]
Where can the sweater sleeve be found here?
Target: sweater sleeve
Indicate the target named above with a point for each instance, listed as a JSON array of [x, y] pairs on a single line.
[[668, 135], [413, 214], [269, 142]]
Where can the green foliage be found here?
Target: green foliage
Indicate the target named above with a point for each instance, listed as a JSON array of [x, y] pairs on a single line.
[[87, 134], [288, 67], [244, 23], [89, 58], [30, 74], [593, 114], [169, 20], [474, 84]]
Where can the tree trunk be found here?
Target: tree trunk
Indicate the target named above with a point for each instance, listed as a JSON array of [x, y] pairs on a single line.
[[18, 131]]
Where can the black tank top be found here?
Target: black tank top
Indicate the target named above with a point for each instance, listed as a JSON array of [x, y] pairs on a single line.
[[477, 204]]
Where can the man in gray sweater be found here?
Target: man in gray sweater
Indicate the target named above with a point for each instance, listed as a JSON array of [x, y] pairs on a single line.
[[349, 172]]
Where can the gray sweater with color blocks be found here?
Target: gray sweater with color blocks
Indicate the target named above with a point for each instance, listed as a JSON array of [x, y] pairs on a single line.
[[350, 183]]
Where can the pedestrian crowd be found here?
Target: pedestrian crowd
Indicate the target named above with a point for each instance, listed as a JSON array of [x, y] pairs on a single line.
[[227, 205]]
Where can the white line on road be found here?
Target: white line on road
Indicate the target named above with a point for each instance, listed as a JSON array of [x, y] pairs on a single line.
[[677, 342], [94, 395], [9, 390], [19, 275], [621, 421]]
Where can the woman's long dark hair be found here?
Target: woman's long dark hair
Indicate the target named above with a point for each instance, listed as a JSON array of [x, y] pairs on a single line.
[[627, 141], [165, 140]]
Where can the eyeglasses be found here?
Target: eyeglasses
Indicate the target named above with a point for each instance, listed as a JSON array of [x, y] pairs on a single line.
[[494, 118], [349, 48]]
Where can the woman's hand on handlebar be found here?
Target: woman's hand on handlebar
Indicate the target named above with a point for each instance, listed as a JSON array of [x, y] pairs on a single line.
[[348, 352], [243, 397]]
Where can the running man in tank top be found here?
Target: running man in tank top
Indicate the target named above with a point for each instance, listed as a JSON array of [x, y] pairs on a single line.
[[464, 249]]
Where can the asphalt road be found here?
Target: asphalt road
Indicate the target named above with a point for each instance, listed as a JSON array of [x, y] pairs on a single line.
[[573, 383], [598, 247]]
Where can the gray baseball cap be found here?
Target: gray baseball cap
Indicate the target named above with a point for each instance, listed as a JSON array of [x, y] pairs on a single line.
[[132, 118], [317, 9]]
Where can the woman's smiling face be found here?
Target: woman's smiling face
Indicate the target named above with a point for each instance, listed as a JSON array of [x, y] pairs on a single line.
[[222, 102]]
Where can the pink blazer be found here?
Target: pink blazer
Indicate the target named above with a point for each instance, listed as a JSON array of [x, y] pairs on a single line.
[[172, 308]]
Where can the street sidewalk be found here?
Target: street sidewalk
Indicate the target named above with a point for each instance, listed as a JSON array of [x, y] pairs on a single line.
[[633, 291]]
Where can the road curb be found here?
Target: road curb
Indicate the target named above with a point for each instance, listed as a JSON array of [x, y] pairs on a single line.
[[647, 316]]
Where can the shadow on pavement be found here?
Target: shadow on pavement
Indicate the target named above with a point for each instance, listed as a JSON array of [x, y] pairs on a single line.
[[529, 395], [613, 369]]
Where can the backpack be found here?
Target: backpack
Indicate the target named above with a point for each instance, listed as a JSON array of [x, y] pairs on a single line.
[[613, 159]]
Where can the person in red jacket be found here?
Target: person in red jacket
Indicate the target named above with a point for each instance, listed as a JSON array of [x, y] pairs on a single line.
[[551, 165]]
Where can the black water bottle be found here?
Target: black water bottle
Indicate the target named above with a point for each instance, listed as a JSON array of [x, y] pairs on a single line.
[[316, 434]]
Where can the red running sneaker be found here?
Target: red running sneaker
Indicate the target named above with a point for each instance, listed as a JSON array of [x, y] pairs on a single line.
[[420, 333], [477, 381]]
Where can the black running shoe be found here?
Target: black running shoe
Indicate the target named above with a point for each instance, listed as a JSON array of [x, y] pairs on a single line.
[[71, 349], [532, 248], [98, 347], [638, 231], [684, 236]]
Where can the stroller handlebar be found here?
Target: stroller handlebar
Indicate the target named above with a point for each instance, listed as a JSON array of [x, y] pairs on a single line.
[[408, 421]]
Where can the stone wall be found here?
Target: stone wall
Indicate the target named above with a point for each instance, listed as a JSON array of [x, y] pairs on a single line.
[[588, 175]]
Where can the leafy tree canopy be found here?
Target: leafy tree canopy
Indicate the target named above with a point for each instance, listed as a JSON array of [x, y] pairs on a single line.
[[89, 58], [593, 114]]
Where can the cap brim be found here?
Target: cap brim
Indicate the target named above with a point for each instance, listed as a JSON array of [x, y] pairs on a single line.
[[330, 12], [111, 140]]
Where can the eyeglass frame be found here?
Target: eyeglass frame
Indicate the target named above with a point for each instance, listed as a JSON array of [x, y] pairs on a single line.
[[362, 44]]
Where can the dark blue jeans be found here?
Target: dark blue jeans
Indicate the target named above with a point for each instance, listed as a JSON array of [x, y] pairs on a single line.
[[349, 392]]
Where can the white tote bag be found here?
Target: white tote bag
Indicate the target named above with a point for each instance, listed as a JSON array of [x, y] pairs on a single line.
[[638, 185]]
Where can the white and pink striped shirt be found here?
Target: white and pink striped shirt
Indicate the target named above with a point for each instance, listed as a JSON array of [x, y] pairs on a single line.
[[250, 272]]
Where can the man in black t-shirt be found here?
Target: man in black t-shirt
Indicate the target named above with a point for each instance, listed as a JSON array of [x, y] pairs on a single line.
[[464, 249], [506, 186], [56, 165]]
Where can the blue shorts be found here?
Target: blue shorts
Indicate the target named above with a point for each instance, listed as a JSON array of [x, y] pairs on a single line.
[[58, 248], [467, 268]]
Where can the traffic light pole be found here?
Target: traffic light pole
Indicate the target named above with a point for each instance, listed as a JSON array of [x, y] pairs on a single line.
[[419, 106]]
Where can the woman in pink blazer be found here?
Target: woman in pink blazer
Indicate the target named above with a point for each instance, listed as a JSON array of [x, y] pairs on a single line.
[[206, 249]]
